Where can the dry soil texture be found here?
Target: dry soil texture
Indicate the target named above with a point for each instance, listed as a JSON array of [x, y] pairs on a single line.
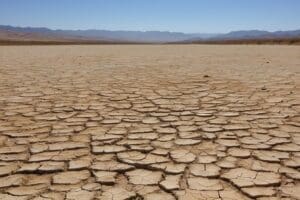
[[149, 122]]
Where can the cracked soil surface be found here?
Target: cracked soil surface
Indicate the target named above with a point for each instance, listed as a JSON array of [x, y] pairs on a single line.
[[151, 122]]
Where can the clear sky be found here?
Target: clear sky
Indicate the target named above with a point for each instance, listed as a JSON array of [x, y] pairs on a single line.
[[205, 16]]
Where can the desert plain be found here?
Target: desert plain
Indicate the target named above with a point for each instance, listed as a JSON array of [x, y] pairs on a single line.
[[153, 122]]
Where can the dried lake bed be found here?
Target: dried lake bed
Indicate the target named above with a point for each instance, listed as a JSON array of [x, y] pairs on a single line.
[[116, 122]]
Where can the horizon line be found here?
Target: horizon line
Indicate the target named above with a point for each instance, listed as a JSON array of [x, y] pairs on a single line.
[[170, 31]]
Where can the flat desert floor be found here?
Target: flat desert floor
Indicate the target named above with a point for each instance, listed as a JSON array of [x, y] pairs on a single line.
[[153, 122]]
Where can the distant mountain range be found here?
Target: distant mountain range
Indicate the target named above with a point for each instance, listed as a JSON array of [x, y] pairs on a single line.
[[29, 33], [256, 34], [11, 33]]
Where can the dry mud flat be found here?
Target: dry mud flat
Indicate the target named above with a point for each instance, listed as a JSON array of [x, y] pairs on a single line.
[[149, 122]]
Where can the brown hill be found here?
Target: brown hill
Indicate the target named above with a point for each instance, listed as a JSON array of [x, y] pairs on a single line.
[[9, 37]]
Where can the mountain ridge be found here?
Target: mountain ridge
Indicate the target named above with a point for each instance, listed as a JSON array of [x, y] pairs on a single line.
[[45, 34], [95, 34]]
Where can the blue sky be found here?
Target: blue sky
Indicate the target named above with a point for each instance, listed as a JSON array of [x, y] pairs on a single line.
[[205, 16]]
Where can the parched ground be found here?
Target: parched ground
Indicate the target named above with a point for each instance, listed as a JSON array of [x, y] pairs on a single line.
[[149, 122]]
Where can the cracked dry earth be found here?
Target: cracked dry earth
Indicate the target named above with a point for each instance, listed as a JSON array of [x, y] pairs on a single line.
[[149, 122]]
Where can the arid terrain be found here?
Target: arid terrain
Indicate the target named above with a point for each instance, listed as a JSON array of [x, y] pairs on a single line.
[[153, 122]]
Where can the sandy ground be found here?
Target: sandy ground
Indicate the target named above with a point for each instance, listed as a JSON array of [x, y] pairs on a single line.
[[149, 122]]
